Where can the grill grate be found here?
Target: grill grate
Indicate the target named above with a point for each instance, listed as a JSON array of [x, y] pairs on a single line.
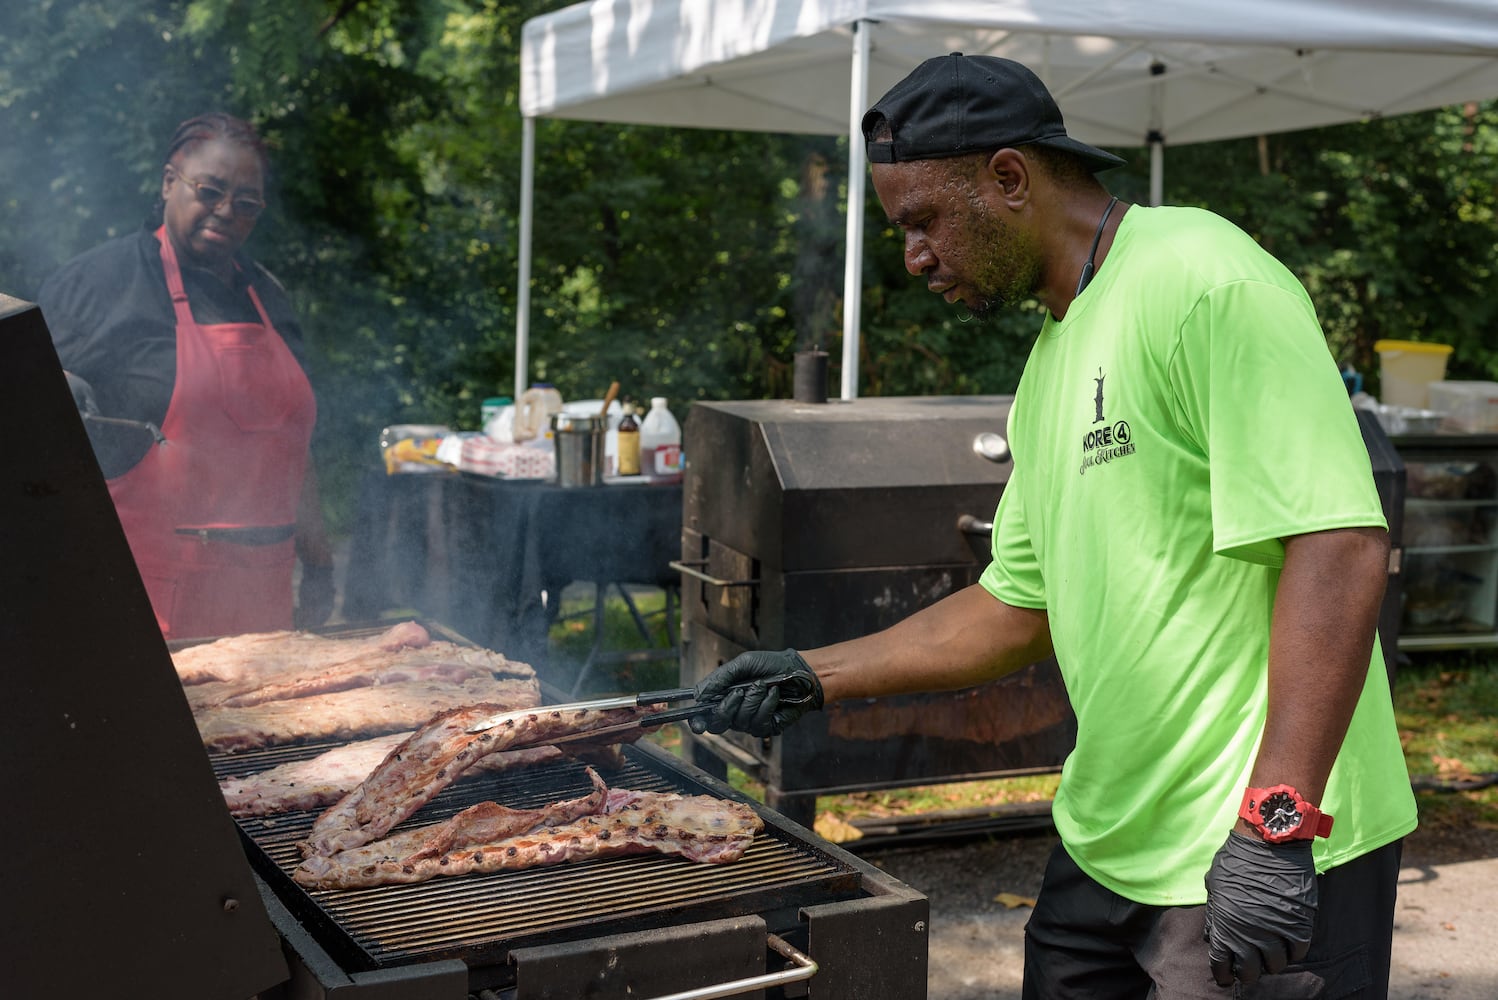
[[480, 918]]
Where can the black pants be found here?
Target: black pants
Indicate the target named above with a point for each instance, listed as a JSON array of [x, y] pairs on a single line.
[[1086, 941]]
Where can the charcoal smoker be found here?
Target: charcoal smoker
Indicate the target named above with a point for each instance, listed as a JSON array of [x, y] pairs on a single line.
[[807, 524], [127, 873]]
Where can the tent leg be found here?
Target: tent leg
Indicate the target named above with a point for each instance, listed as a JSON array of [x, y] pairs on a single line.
[[523, 291], [853, 267], [1157, 171]]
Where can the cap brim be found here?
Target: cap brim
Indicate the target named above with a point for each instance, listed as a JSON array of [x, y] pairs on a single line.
[[1096, 158]]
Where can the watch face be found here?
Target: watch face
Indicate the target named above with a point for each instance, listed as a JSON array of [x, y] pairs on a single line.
[[1279, 813]]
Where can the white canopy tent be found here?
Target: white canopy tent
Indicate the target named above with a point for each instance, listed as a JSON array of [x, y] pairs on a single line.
[[1125, 73]]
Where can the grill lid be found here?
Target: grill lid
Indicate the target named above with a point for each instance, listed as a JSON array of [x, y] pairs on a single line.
[[858, 484], [117, 844]]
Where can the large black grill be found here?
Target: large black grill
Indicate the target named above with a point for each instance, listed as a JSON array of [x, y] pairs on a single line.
[[481, 918], [805, 525], [152, 880]]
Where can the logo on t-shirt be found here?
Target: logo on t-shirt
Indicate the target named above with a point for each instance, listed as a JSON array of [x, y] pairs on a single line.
[[1102, 445]]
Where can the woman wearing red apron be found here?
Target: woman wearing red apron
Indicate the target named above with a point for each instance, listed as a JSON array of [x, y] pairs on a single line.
[[220, 501]]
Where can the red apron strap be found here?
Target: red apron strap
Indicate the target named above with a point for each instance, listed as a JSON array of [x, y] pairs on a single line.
[[174, 285]]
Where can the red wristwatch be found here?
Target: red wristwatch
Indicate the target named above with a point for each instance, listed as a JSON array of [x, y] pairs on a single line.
[[1280, 814]]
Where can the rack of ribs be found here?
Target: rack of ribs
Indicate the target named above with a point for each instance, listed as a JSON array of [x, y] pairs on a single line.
[[305, 667], [356, 713], [318, 782], [437, 755], [482, 838], [263, 655]]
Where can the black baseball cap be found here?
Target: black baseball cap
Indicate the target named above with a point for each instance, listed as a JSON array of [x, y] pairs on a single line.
[[955, 105]]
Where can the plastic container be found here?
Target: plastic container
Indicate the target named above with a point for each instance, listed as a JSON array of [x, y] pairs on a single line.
[[499, 419], [660, 443], [490, 408], [534, 410], [1467, 407], [413, 447], [1406, 369], [1396, 420]]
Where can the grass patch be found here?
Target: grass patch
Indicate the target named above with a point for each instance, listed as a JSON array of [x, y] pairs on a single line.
[[572, 636], [1446, 707]]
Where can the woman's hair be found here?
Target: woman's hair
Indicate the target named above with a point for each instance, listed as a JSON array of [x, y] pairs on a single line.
[[204, 128], [217, 125]]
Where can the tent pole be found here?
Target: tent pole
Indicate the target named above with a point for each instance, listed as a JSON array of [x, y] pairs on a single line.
[[523, 292], [853, 268], [1156, 137], [1157, 169]]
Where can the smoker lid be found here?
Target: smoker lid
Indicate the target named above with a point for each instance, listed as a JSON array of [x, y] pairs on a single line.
[[119, 849], [866, 483], [875, 442]]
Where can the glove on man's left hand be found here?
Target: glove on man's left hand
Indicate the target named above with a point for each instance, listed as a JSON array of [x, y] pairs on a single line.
[[1261, 907], [314, 602], [747, 703]]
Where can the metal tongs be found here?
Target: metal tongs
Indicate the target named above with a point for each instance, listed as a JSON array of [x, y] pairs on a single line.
[[641, 700], [140, 425]]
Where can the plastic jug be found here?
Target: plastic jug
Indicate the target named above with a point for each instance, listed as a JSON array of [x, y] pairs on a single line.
[[660, 443], [534, 411], [498, 419]]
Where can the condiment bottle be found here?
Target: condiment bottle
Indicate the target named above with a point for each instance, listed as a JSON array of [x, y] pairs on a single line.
[[629, 442]]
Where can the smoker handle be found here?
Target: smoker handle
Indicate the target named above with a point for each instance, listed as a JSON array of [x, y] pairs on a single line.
[[970, 525], [802, 968], [690, 569]]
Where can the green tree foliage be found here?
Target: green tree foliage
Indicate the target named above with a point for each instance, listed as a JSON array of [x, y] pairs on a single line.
[[685, 263], [1390, 224]]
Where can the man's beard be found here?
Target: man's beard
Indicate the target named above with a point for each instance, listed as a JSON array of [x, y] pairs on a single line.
[[985, 307], [1010, 271]]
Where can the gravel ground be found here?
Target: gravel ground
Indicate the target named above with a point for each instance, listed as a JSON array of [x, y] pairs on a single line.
[[1446, 927]]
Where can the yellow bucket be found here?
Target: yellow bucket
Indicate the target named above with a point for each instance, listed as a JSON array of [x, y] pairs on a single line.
[[1406, 368]]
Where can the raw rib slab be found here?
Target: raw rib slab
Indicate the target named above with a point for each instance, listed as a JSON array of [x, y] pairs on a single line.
[[696, 827], [263, 654], [365, 667], [478, 824], [357, 713], [434, 757], [318, 782]]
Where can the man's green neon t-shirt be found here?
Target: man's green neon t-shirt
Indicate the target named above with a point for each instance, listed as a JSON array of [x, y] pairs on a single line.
[[1182, 419]]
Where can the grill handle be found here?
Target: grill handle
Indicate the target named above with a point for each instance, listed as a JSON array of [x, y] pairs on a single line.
[[970, 525], [691, 569], [802, 967]]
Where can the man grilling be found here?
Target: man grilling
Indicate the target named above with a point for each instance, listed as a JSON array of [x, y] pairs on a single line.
[[1206, 568]]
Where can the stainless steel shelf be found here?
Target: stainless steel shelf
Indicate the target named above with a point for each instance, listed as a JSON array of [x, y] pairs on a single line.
[[1432, 643], [1456, 580]]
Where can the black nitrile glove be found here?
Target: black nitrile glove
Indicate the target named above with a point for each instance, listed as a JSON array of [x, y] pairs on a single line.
[[83, 395], [314, 597], [749, 703], [1261, 907]]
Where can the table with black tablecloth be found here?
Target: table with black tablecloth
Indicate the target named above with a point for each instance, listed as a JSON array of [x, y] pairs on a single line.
[[478, 553]]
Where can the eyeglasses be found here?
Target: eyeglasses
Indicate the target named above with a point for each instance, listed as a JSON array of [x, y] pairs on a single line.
[[212, 196]]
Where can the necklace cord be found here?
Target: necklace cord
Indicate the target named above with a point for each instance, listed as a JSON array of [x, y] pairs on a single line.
[[1089, 268]]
